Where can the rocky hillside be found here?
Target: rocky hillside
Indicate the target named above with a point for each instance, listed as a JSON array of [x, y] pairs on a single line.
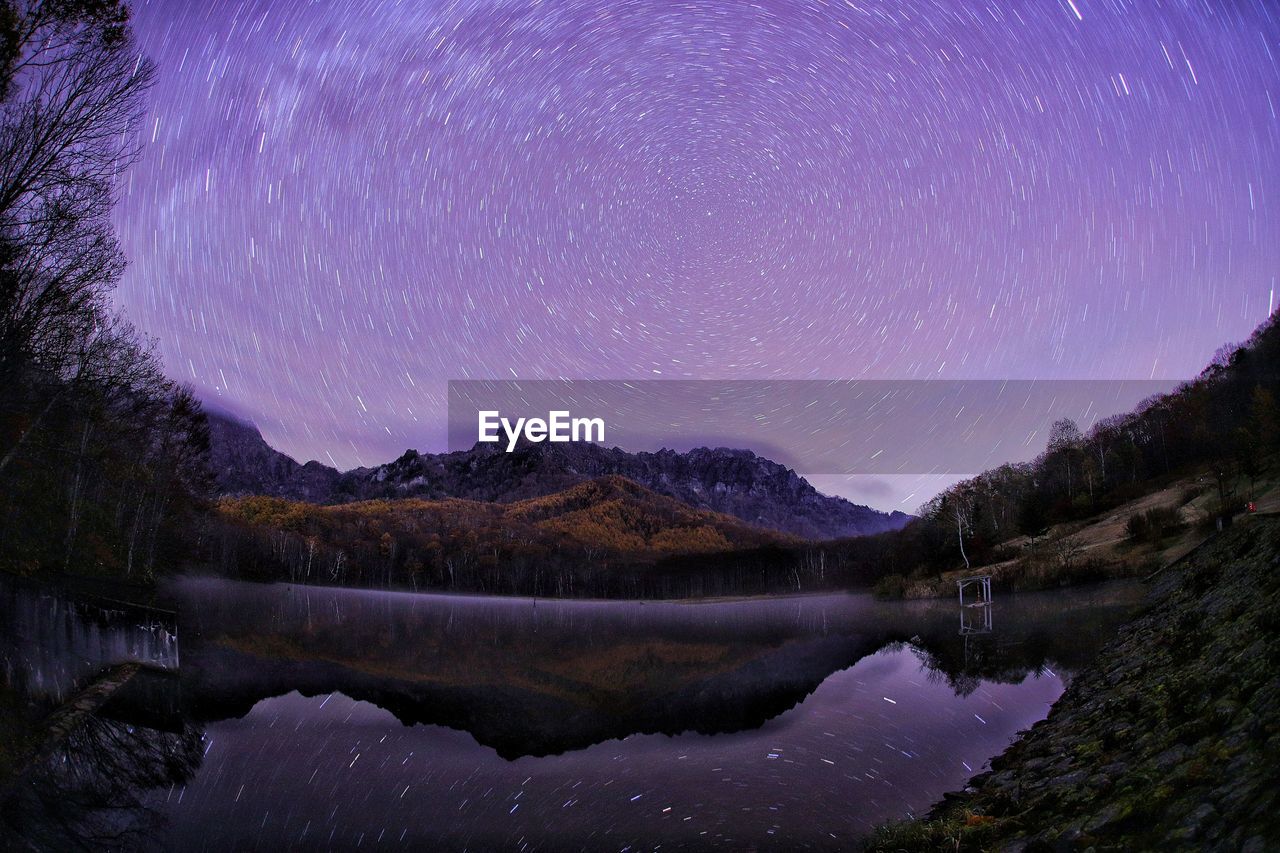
[[1170, 741], [244, 464], [734, 482]]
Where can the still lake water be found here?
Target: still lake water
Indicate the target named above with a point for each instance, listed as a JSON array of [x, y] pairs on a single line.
[[315, 718]]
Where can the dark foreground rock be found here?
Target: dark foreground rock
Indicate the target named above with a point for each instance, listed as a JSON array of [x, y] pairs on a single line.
[[1170, 741]]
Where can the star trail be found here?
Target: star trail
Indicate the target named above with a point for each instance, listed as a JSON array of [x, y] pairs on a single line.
[[341, 205]]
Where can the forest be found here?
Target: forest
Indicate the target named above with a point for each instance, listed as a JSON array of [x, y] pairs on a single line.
[[600, 538], [101, 455], [104, 460]]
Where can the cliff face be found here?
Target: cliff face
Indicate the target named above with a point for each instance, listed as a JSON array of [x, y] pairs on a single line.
[[1170, 741], [244, 464], [734, 482]]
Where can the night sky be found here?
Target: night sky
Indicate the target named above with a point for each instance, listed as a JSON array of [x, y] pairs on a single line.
[[343, 204]]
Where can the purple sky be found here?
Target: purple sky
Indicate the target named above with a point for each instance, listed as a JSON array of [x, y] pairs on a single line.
[[344, 203]]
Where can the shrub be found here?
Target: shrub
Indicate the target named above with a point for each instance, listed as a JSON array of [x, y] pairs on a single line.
[[1217, 509], [1189, 494], [961, 830], [1153, 525], [890, 586]]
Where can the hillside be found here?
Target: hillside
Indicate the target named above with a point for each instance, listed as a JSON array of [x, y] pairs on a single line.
[[735, 482], [1122, 496], [536, 545], [1134, 538], [244, 464]]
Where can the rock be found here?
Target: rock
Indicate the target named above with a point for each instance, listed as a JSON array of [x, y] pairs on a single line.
[[1168, 740], [1067, 838], [1194, 824], [1115, 770], [1018, 845], [1225, 709], [1105, 818], [1100, 782], [1069, 780], [1171, 757]]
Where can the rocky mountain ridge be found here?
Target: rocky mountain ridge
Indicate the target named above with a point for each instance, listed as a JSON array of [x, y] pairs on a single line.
[[736, 482]]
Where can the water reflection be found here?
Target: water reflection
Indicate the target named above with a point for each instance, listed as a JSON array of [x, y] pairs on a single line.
[[81, 784], [91, 791], [343, 718], [976, 619]]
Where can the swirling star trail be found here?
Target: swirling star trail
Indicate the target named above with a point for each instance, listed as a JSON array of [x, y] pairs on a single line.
[[343, 204]]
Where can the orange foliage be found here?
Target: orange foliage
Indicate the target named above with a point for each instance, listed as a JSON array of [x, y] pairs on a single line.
[[609, 519]]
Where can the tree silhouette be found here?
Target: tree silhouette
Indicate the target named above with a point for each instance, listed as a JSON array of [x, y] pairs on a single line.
[[100, 454]]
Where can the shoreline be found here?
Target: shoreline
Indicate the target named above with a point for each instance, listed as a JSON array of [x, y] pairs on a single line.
[[690, 602], [1167, 741], [152, 595]]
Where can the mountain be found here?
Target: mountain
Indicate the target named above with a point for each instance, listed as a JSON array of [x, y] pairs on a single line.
[[734, 482], [244, 464], [610, 517]]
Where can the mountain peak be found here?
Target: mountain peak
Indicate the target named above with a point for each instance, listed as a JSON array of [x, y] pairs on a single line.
[[732, 481]]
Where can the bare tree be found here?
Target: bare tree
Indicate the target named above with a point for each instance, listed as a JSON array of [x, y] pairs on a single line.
[[86, 404], [72, 82], [1065, 441], [1066, 552], [961, 515]]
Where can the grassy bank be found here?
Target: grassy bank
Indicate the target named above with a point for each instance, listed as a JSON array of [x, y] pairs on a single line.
[[1134, 539]]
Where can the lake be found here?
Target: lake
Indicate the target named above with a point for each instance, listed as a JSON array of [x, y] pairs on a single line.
[[316, 718]]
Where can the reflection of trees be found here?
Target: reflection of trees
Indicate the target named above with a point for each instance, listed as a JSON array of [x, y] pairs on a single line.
[[965, 662], [560, 676], [1025, 643], [89, 793]]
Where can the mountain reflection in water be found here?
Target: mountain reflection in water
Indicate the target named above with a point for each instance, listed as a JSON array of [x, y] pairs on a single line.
[[306, 716]]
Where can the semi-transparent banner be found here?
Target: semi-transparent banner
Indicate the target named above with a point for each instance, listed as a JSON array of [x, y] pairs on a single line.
[[842, 427]]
